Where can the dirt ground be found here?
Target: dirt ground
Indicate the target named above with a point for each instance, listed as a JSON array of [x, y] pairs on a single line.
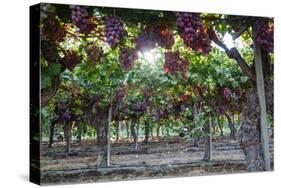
[[167, 157]]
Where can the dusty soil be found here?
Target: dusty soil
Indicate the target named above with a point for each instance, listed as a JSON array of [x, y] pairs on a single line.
[[165, 157]]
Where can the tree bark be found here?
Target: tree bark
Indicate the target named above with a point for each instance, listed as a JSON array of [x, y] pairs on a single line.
[[137, 136], [51, 134], [249, 137], [208, 141], [103, 132], [127, 129], [220, 124], [231, 126], [146, 131], [109, 135], [79, 129], [158, 130], [133, 132], [117, 131], [98, 135], [67, 135], [254, 132], [196, 139], [262, 104]]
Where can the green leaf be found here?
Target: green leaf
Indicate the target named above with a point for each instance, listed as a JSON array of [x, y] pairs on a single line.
[[55, 68], [46, 81]]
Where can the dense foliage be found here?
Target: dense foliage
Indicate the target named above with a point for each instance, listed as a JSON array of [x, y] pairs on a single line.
[[160, 66]]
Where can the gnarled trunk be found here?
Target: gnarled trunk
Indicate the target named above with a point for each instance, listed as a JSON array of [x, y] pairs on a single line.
[[137, 135], [67, 135], [98, 134], [51, 134], [196, 139], [117, 131], [158, 130], [79, 130], [133, 132], [231, 126], [250, 133], [220, 124], [146, 131], [103, 132], [127, 129], [208, 141]]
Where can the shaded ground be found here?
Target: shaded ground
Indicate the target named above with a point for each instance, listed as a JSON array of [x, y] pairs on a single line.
[[166, 157]]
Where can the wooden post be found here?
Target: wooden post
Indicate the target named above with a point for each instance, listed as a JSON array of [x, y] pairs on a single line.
[[108, 136], [51, 134], [127, 129], [262, 103], [118, 125], [137, 135], [67, 135], [210, 139]]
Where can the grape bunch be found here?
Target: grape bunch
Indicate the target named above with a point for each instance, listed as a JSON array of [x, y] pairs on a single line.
[[183, 67], [53, 30], [146, 92], [139, 106], [114, 30], [227, 93], [71, 59], [203, 42], [145, 41], [239, 93], [155, 35], [62, 111], [49, 51], [81, 18], [222, 109], [264, 35], [125, 109], [163, 36], [94, 53], [173, 63], [161, 113], [121, 92], [191, 30], [127, 56]]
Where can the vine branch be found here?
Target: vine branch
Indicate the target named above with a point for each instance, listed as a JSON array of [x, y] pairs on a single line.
[[233, 53]]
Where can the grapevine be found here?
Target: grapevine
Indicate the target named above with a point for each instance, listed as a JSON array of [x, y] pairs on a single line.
[[94, 53], [81, 18], [191, 30], [71, 59], [127, 56], [53, 30], [114, 30], [264, 36], [173, 63]]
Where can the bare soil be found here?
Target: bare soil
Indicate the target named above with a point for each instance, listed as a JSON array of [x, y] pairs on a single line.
[[165, 157]]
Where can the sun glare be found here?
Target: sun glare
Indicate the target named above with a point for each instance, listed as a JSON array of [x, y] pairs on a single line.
[[228, 40], [150, 56]]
